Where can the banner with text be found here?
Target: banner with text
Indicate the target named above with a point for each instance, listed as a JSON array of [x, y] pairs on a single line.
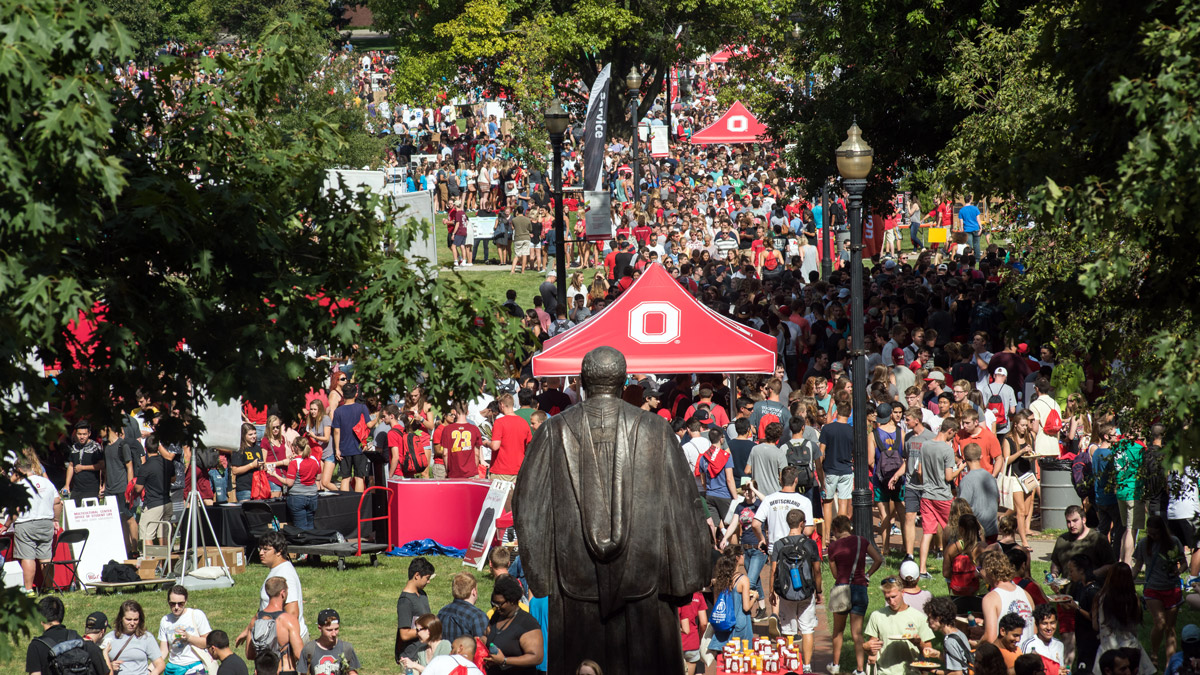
[[596, 131], [485, 525]]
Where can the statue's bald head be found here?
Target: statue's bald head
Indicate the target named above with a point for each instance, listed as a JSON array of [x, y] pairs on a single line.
[[603, 372]]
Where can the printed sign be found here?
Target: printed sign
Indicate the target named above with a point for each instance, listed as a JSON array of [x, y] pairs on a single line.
[[482, 227], [660, 143], [485, 525], [106, 540]]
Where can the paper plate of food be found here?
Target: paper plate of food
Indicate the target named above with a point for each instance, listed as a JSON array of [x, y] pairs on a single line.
[[925, 665], [1061, 597], [904, 636]]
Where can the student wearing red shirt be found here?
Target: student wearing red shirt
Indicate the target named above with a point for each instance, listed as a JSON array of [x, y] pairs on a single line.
[[510, 437], [693, 620], [303, 474], [458, 442]]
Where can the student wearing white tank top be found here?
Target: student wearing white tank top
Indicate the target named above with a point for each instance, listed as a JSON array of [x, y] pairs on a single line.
[[1005, 596]]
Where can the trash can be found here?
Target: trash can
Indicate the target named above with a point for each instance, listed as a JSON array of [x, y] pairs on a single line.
[[1058, 492]]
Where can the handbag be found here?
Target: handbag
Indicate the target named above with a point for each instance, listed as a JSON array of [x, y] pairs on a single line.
[[260, 486], [839, 599], [1008, 485], [1028, 482]]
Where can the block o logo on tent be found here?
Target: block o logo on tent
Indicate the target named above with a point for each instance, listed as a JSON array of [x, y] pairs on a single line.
[[737, 123], [654, 323]]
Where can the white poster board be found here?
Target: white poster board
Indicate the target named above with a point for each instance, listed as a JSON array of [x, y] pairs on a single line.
[[482, 227], [222, 423], [106, 540], [659, 145], [485, 525]]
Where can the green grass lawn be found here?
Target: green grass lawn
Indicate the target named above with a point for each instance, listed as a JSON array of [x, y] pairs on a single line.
[[364, 596]]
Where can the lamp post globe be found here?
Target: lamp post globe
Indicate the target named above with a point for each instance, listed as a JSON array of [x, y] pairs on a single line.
[[854, 164], [557, 120]]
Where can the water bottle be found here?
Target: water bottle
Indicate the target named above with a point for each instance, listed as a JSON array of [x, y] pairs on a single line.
[[796, 583], [971, 623]]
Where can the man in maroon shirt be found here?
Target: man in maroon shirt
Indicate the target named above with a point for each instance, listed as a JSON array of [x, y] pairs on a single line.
[[460, 442]]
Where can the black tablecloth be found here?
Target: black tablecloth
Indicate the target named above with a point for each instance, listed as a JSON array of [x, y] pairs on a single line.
[[334, 512]]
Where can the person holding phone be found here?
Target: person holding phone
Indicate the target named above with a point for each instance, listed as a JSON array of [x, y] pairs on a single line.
[[513, 636]]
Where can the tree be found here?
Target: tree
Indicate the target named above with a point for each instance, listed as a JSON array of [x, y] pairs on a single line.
[[198, 242]]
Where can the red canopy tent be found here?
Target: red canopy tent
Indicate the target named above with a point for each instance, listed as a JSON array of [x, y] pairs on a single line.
[[737, 125], [660, 328]]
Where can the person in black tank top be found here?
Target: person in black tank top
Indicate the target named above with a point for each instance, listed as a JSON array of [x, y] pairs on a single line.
[[513, 633]]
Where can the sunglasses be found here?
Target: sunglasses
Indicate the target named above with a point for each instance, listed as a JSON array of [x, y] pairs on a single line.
[[889, 580], [177, 604]]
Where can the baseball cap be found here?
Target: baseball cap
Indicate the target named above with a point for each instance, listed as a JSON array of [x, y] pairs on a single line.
[[909, 570], [96, 622], [1190, 633], [942, 267], [1001, 371], [327, 615], [883, 410], [844, 293], [936, 375], [889, 264], [897, 354], [652, 394]]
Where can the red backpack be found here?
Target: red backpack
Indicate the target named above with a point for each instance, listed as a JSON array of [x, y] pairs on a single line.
[[1053, 423], [964, 577], [996, 405]]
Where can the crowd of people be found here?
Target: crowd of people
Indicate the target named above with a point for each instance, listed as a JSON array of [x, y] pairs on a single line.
[[964, 410]]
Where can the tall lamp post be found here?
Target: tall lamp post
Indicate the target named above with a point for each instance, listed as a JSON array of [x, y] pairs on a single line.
[[826, 250], [634, 82], [854, 163], [556, 120]]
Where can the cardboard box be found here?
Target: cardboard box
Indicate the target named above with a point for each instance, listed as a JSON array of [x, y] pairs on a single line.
[[149, 568], [235, 557]]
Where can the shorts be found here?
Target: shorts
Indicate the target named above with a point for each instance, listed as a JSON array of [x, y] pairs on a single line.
[[1183, 531], [507, 477], [858, 599], [1135, 509], [1170, 598], [522, 247], [460, 240], [34, 539], [356, 465], [912, 500], [838, 487], [122, 508], [798, 617], [935, 514], [437, 471], [883, 494], [692, 656], [146, 530]]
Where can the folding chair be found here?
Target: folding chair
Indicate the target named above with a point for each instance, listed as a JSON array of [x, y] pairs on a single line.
[[259, 518], [69, 537]]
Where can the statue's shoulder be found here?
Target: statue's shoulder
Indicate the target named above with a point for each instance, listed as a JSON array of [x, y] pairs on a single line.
[[646, 420]]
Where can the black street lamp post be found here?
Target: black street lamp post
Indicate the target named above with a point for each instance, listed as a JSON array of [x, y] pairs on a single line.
[[826, 251], [556, 120], [634, 82], [854, 164]]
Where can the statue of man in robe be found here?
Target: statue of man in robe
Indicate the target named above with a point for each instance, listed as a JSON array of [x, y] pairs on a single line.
[[611, 529]]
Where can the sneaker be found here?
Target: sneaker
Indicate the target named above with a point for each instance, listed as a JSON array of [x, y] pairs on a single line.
[[907, 558], [762, 614], [833, 669], [925, 576], [468, 264], [895, 531], [29, 592], [807, 668]]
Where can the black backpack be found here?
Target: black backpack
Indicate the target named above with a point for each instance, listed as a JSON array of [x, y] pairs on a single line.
[[68, 657], [800, 455], [115, 572], [794, 565]]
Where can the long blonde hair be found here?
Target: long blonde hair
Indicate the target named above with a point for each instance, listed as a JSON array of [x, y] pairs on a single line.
[[271, 422]]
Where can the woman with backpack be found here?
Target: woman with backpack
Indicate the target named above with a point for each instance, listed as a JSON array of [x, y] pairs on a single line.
[[733, 600], [1021, 462], [885, 458], [960, 564]]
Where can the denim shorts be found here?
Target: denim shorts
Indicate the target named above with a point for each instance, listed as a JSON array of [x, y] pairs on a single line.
[[858, 599]]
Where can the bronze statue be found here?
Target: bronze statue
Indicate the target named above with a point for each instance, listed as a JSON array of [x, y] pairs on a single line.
[[611, 529]]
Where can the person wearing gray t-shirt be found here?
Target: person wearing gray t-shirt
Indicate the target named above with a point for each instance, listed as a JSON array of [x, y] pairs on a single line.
[[980, 490], [938, 470]]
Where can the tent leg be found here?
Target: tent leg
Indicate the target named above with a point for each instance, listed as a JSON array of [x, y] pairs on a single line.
[[732, 395]]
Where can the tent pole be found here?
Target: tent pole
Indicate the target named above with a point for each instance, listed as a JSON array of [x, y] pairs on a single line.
[[732, 394]]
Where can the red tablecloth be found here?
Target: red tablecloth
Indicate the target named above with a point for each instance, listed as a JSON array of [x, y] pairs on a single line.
[[442, 510]]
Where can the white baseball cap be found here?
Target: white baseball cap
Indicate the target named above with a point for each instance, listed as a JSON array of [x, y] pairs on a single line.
[[1001, 371], [909, 570]]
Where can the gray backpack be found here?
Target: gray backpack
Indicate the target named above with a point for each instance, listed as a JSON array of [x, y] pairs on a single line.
[[263, 634]]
